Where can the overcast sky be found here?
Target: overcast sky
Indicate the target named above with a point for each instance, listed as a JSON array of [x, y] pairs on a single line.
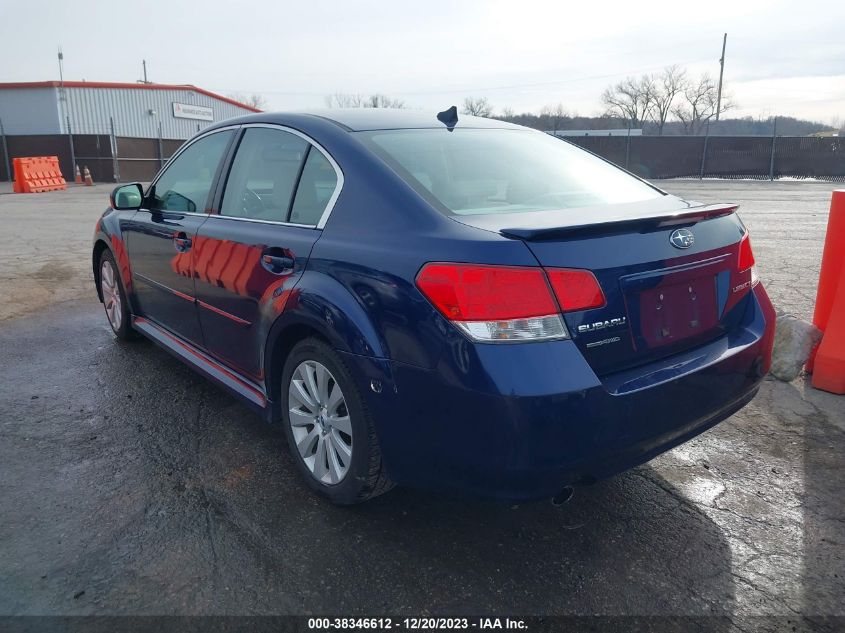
[[785, 58]]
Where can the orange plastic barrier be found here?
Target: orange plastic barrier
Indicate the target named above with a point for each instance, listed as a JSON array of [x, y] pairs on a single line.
[[832, 268], [35, 174]]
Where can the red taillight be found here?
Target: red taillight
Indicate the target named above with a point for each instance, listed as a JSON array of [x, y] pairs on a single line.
[[471, 292], [508, 303], [746, 255], [575, 289]]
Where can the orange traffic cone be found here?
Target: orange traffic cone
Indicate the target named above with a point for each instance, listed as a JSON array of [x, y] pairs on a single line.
[[78, 178], [828, 362], [829, 367], [89, 182], [832, 267]]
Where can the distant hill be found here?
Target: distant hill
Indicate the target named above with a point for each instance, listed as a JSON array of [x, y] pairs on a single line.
[[786, 126]]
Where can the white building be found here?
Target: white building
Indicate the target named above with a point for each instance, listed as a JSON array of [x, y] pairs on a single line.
[[88, 107], [120, 131]]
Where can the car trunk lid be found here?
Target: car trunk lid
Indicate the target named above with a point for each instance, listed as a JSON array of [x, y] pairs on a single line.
[[668, 272]]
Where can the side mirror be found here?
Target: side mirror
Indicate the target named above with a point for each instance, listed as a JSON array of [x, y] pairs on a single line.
[[127, 197]]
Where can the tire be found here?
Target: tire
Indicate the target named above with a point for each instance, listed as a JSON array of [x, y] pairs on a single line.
[[314, 426], [114, 298]]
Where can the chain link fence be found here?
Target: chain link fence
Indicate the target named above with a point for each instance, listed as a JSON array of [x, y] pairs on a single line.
[[109, 157], [757, 157], [114, 158]]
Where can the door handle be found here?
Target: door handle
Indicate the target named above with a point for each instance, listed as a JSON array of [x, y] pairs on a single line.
[[181, 241], [277, 264]]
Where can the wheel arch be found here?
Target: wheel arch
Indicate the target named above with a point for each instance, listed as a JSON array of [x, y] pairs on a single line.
[[100, 245], [320, 307]]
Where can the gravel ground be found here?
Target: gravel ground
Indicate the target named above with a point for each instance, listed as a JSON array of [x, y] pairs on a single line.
[[45, 246], [129, 485]]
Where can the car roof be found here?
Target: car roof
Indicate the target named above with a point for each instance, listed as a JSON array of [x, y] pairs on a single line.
[[361, 119]]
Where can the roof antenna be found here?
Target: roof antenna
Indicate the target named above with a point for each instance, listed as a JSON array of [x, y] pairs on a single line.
[[449, 117]]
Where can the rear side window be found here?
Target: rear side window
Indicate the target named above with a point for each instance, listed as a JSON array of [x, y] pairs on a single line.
[[185, 184], [264, 174], [316, 187], [485, 171]]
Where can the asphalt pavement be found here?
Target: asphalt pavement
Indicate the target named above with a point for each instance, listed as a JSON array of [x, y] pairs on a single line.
[[130, 485]]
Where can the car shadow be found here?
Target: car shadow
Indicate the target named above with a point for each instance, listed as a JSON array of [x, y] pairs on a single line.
[[819, 418], [221, 492], [137, 487]]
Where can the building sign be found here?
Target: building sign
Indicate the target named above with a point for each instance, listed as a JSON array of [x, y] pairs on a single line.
[[185, 111]]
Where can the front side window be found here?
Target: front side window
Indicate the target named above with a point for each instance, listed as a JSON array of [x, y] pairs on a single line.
[[264, 174], [484, 171], [185, 184]]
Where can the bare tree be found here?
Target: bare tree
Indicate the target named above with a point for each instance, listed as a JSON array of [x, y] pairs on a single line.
[[477, 106], [507, 114], [257, 101], [254, 100], [345, 100], [699, 104], [556, 114], [383, 101], [631, 99], [670, 83], [357, 100]]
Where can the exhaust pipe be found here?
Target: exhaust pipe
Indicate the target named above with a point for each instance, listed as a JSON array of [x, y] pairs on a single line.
[[563, 496]]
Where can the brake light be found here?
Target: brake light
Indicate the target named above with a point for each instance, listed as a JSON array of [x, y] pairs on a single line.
[[494, 303], [746, 259], [469, 292], [576, 289], [746, 255]]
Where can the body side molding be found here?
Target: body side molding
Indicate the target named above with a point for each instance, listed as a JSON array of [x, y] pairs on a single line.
[[250, 393]]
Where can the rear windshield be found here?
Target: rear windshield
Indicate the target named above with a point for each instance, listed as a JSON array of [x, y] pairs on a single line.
[[482, 171]]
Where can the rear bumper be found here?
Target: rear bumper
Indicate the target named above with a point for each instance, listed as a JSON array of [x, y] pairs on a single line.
[[523, 421]]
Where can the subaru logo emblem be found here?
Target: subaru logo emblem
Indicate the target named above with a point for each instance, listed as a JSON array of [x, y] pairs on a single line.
[[682, 238]]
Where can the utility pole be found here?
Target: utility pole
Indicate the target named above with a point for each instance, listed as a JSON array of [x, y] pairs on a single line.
[[61, 82], [721, 74], [65, 110], [7, 160], [772, 159]]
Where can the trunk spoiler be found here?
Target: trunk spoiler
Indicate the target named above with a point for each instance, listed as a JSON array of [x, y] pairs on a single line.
[[610, 223]]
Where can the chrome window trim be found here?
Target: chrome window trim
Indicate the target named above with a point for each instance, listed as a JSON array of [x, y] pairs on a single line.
[[232, 217], [321, 223], [175, 212]]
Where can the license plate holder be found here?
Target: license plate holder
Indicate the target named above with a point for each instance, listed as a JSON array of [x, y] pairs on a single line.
[[672, 312]]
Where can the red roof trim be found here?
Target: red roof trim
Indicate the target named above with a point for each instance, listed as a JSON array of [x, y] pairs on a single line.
[[126, 86]]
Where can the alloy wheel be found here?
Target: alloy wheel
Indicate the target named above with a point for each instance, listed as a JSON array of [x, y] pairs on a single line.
[[320, 422]]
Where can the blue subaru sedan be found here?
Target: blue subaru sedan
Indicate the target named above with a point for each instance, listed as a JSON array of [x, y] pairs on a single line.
[[438, 301]]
